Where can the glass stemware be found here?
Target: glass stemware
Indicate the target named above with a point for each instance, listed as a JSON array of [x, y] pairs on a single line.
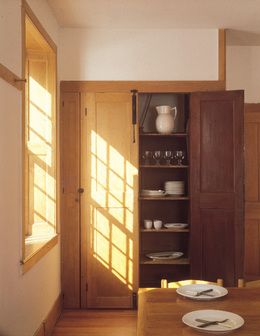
[[179, 156], [168, 156], [147, 157], [157, 155]]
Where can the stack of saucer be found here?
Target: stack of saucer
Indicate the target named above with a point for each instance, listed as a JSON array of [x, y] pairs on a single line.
[[152, 193], [174, 187]]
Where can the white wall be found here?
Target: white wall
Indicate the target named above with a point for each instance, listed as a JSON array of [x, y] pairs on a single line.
[[10, 35], [138, 54], [25, 300], [243, 71]]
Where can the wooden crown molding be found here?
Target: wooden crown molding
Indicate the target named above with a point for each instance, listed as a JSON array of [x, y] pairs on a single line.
[[141, 86]]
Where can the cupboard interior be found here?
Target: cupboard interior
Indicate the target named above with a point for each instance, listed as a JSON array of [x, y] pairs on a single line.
[[152, 175]]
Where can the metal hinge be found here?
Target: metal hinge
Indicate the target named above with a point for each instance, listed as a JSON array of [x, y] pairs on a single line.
[[63, 190], [86, 111]]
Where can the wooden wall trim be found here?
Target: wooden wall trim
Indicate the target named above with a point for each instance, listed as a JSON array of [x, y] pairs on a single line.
[[11, 78], [47, 325], [141, 86], [250, 107], [38, 25], [27, 264], [222, 55]]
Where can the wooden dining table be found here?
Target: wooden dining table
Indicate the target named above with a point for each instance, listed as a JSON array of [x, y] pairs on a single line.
[[160, 311]]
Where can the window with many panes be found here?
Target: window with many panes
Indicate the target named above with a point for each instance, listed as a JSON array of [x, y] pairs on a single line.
[[40, 178]]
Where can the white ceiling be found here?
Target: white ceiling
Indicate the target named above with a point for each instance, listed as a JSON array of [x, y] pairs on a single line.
[[242, 17]]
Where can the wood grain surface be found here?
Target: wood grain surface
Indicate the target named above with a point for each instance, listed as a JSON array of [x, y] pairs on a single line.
[[161, 310]]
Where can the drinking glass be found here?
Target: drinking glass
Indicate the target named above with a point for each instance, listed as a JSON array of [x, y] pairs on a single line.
[[167, 156], [157, 156], [147, 157], [179, 156]]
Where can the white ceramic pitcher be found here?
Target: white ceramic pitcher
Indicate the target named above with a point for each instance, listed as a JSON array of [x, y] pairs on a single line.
[[165, 120]]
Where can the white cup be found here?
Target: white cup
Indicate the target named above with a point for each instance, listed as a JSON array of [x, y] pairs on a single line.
[[157, 223], [148, 224]]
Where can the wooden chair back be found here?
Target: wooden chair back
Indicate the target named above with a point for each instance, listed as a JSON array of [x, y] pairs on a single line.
[[243, 283], [177, 284]]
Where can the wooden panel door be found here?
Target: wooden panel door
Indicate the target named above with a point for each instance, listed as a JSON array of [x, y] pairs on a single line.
[[252, 191], [109, 202], [216, 185], [70, 219]]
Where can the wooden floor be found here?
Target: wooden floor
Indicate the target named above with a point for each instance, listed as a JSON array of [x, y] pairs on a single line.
[[96, 323]]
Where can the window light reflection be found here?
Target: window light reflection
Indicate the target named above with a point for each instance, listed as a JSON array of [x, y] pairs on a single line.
[[112, 194]]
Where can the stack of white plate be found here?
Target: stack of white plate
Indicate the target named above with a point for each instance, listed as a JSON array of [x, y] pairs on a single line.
[[174, 187]]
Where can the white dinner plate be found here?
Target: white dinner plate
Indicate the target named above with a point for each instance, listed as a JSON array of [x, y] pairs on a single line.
[[165, 255], [190, 291], [233, 322], [181, 192], [175, 225], [152, 193]]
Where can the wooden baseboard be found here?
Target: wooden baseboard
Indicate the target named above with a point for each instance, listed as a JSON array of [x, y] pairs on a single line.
[[48, 324]]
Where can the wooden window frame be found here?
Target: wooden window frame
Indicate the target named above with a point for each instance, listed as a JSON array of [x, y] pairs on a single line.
[[28, 262]]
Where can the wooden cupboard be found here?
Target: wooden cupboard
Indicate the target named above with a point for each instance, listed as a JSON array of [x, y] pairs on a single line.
[[210, 132]]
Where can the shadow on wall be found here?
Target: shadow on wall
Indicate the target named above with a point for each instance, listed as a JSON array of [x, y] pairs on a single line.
[[242, 38]]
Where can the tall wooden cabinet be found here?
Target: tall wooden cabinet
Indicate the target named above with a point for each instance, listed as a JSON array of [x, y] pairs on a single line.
[[104, 242], [209, 130]]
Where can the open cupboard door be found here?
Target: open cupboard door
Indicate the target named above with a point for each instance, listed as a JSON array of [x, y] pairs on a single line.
[[216, 185], [109, 236]]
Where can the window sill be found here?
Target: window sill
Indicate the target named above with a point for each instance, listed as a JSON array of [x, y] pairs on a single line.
[[40, 250]]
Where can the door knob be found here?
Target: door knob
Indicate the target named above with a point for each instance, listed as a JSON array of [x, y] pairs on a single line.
[[81, 190]]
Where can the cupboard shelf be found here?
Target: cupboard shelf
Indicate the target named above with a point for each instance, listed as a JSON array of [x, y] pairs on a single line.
[[164, 230], [164, 167], [165, 198], [163, 135], [180, 261]]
